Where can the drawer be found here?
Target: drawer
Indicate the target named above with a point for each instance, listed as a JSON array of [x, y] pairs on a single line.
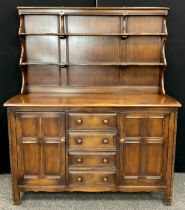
[[92, 159], [91, 178], [92, 139], [92, 120]]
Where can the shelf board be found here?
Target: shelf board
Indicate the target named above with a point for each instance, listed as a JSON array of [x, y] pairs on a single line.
[[96, 64], [39, 34], [114, 64], [116, 34], [93, 34], [38, 63], [144, 34]]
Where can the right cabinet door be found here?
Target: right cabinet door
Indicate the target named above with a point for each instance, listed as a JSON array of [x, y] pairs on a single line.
[[143, 148]]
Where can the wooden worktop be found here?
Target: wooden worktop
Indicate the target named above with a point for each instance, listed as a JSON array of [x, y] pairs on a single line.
[[92, 100]]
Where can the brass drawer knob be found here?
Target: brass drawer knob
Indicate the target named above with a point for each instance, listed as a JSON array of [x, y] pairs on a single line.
[[79, 121], [122, 141], [79, 160], [79, 141], [105, 179], [79, 179], [105, 160], [105, 141], [105, 121]]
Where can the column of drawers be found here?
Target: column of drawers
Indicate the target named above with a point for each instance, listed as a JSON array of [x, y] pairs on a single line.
[[92, 149]]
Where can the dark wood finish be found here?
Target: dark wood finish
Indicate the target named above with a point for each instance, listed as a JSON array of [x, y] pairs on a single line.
[[92, 115], [97, 140], [92, 159], [92, 100], [91, 178], [41, 134], [92, 121], [143, 147], [111, 43]]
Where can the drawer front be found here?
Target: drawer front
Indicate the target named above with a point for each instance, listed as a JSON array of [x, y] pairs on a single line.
[[90, 159], [91, 178], [92, 120], [99, 140]]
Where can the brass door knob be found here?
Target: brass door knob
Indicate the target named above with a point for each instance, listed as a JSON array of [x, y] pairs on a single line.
[[62, 139], [105, 141], [79, 160], [79, 121], [122, 141], [79, 179], [79, 141], [105, 121], [105, 179], [105, 160]]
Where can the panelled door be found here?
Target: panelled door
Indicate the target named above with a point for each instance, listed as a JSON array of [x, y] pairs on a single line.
[[143, 148], [41, 147]]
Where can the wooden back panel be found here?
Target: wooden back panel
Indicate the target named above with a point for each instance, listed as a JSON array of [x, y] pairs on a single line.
[[93, 50]]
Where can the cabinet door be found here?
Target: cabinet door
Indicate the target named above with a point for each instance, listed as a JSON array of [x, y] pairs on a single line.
[[41, 147], [143, 148]]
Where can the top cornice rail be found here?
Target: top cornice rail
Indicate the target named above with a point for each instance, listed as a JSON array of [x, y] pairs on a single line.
[[94, 10]]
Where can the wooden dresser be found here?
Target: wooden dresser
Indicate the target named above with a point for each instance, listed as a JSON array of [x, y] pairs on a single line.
[[92, 115]]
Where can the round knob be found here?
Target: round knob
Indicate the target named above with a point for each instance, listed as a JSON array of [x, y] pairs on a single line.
[[79, 179], [62, 139], [79, 141], [105, 141], [79, 160], [105, 160], [122, 141], [105, 179], [105, 121], [79, 121]]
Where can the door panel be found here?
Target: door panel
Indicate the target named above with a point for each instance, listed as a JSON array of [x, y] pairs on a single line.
[[131, 164], [52, 165], [30, 127], [51, 127], [154, 127], [143, 146], [41, 145], [154, 158], [31, 156], [132, 127]]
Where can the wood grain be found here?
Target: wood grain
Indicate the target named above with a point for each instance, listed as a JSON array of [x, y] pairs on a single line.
[[92, 115], [108, 43]]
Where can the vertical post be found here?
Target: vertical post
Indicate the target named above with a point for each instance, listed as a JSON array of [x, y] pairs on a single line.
[[97, 3], [13, 156], [168, 194]]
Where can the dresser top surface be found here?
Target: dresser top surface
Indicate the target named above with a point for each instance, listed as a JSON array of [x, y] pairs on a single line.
[[92, 100]]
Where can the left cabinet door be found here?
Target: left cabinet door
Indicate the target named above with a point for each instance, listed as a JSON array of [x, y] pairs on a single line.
[[41, 147]]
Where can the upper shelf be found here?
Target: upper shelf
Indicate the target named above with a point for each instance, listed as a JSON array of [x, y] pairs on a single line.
[[93, 34], [96, 64], [64, 47], [95, 10]]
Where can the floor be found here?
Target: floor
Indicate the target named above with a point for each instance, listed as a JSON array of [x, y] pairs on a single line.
[[92, 201]]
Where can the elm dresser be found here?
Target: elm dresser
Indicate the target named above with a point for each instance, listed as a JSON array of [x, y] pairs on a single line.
[[92, 115]]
